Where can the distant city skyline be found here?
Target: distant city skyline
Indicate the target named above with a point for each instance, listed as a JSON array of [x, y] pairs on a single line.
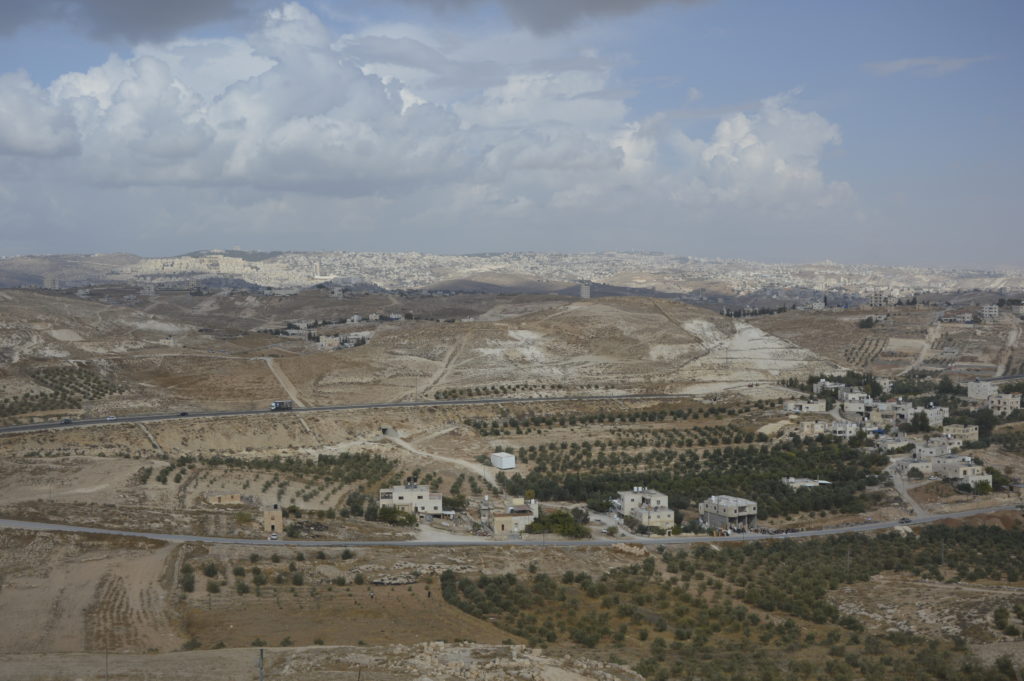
[[876, 132]]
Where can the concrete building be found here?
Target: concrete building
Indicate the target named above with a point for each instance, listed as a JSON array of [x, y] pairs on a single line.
[[585, 290], [411, 498], [962, 469], [804, 406], [852, 394], [823, 385], [878, 298], [1003, 404], [892, 443], [981, 390], [503, 460], [989, 312], [843, 429], [932, 450], [511, 520], [273, 518], [961, 432], [724, 512], [330, 342], [647, 506]]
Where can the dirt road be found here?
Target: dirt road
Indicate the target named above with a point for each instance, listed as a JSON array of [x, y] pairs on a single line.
[[485, 472], [284, 381]]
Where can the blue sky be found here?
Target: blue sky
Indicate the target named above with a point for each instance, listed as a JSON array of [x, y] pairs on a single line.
[[883, 132]]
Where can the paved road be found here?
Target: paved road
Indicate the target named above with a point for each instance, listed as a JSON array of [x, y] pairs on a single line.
[[138, 418], [181, 538]]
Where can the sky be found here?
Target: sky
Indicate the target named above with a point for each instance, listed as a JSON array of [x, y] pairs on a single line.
[[874, 132]]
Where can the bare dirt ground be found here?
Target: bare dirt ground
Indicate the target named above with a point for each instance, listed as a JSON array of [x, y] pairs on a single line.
[[168, 355], [927, 607], [444, 662]]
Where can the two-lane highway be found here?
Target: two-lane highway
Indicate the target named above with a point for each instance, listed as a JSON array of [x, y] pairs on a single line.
[[565, 543], [139, 418]]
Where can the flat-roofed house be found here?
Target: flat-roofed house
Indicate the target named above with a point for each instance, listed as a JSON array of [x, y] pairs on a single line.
[[411, 498], [726, 512]]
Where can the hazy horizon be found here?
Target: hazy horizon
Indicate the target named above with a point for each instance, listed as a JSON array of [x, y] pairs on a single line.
[[799, 132]]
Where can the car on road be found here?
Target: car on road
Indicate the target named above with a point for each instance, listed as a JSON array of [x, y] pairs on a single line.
[[273, 536], [111, 418], [904, 521], [65, 422], [184, 413]]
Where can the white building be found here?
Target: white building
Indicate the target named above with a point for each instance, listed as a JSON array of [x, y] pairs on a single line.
[[843, 428], [804, 406], [649, 507], [852, 394], [823, 385], [989, 312], [411, 498], [962, 469], [503, 460]]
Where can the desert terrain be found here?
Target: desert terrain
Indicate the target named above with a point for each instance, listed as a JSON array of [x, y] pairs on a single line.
[[89, 604]]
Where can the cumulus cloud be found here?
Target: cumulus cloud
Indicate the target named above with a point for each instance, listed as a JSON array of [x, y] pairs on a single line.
[[337, 137], [33, 124], [133, 20], [545, 16], [924, 66]]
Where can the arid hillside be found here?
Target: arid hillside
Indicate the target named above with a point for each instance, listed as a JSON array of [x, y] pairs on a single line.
[[64, 356]]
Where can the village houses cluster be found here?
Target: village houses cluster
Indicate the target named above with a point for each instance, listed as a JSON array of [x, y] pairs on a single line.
[[935, 454]]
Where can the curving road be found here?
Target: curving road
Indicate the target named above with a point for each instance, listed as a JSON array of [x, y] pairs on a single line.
[[571, 543], [140, 418]]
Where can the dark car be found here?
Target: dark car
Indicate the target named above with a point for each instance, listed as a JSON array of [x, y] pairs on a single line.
[[184, 413], [65, 422], [904, 521]]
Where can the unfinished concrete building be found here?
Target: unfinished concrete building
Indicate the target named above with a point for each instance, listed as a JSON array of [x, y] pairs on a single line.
[[723, 512]]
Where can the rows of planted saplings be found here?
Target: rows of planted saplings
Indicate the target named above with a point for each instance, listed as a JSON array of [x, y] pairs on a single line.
[[512, 389], [308, 478], [262, 571], [756, 610], [687, 477], [529, 423], [66, 387], [621, 448]]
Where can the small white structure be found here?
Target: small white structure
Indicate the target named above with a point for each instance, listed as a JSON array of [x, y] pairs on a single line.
[[798, 483], [804, 406], [503, 460]]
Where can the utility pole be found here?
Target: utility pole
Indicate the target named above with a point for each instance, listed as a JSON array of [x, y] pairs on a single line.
[[259, 664]]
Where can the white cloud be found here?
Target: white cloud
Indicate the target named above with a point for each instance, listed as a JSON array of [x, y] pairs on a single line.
[[33, 124], [295, 129], [925, 66]]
